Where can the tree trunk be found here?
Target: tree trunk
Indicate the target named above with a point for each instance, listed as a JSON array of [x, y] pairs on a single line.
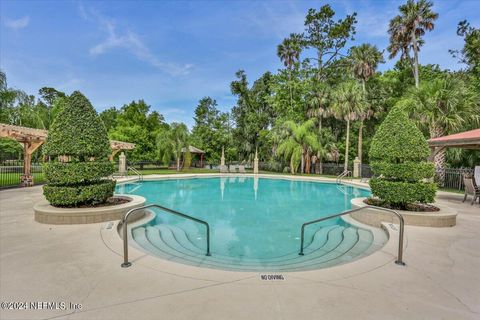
[[439, 158], [292, 168], [302, 162], [360, 141], [319, 156], [178, 163], [345, 166], [307, 163], [415, 57], [360, 130]]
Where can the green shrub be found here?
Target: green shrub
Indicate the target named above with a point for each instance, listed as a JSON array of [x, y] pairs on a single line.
[[398, 154], [77, 147], [75, 195]]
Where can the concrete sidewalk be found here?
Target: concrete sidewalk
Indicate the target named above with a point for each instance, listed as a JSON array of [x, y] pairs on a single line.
[[75, 264]]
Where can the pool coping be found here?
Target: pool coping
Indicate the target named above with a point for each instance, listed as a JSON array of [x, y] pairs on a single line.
[[379, 258]]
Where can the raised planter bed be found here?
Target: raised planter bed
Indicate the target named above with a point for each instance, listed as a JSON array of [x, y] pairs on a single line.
[[46, 213], [446, 217]]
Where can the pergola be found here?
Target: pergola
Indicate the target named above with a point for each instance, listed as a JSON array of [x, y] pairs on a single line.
[[33, 138], [194, 150], [466, 140]]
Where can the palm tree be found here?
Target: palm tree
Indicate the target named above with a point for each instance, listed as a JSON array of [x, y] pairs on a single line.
[[407, 28], [289, 50], [348, 102], [364, 61], [173, 142], [443, 106], [289, 53], [318, 108], [298, 144]]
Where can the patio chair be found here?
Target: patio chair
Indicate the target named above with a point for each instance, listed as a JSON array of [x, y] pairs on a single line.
[[232, 169], [241, 169], [223, 169], [476, 176], [471, 189]]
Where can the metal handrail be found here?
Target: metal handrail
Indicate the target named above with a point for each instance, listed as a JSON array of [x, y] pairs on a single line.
[[140, 176], [343, 175], [399, 260], [126, 263]]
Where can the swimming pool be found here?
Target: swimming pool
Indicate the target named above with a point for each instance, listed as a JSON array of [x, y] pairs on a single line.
[[255, 222]]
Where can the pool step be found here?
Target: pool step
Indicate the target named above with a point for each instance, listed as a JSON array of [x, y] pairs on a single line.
[[330, 245]]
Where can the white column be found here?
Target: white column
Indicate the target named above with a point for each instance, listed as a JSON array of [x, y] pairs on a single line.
[[255, 162], [356, 167], [222, 159], [122, 164]]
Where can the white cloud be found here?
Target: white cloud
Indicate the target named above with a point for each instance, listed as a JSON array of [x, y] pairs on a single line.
[[17, 23], [171, 111], [277, 20], [131, 42]]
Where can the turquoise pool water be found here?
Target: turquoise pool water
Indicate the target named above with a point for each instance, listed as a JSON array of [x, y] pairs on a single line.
[[250, 218]]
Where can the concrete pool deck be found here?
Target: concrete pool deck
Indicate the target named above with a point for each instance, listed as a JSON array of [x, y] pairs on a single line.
[[76, 264]]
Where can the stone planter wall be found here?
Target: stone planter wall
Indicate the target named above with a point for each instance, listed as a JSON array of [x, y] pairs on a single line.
[[446, 217], [45, 213]]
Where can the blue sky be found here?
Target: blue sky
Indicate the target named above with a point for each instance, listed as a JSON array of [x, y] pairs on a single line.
[[172, 54]]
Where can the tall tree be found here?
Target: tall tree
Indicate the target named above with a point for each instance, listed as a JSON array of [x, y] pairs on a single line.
[[289, 53], [470, 53], [289, 50], [407, 28], [179, 140], [327, 36], [135, 123], [298, 143], [348, 100], [211, 130], [253, 112], [443, 106], [364, 61]]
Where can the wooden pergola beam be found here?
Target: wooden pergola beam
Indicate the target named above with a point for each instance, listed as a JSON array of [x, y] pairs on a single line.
[[32, 139]]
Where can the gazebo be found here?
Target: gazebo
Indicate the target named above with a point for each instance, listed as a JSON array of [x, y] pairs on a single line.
[[466, 140], [195, 150], [33, 138]]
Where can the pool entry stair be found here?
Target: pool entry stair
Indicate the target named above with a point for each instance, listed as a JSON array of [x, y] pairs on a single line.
[[329, 245]]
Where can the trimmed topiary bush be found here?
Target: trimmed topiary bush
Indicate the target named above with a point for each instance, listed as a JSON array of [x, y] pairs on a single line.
[[398, 155], [77, 147]]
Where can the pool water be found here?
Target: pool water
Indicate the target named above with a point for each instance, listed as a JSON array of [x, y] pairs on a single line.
[[251, 219]]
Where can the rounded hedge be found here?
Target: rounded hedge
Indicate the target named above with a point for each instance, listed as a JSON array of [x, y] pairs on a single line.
[[77, 131], [77, 146], [398, 156], [75, 195], [65, 173]]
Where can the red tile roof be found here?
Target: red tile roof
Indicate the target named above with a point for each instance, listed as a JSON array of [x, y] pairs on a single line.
[[467, 135]]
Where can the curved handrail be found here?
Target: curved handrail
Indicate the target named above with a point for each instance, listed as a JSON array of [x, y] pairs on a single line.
[[399, 260], [140, 176], [126, 263], [343, 175]]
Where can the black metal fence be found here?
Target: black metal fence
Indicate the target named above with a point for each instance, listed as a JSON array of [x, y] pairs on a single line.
[[11, 170], [452, 178]]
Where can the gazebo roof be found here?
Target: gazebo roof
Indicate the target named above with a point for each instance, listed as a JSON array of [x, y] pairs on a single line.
[[466, 140], [25, 134], [193, 149]]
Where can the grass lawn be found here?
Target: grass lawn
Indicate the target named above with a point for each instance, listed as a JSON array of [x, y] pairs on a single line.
[[11, 179]]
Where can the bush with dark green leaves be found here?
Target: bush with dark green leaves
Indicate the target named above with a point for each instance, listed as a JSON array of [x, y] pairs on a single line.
[[398, 155], [77, 147]]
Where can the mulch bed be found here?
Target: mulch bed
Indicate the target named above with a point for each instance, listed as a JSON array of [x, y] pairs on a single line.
[[415, 207], [113, 201]]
